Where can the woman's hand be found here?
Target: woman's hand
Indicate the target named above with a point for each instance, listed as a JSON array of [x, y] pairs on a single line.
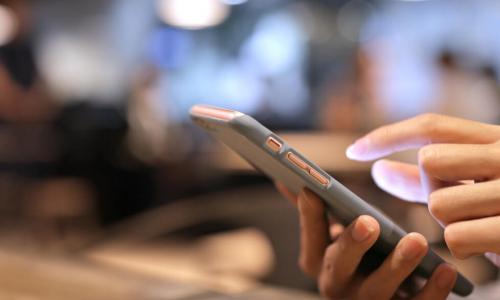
[[334, 264], [458, 175]]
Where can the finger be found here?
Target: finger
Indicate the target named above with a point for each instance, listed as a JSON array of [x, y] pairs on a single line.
[[440, 284], [385, 281], [286, 192], [399, 179], [494, 258], [343, 257], [465, 202], [452, 162], [314, 232], [468, 238], [445, 165], [420, 131], [335, 231]]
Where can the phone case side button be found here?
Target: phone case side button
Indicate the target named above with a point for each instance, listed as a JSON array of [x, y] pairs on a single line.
[[294, 159], [318, 177], [273, 144]]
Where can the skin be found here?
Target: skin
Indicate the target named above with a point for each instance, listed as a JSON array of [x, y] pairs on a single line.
[[457, 176], [331, 254]]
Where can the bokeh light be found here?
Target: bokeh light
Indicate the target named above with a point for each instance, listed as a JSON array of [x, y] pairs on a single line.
[[192, 14], [234, 2]]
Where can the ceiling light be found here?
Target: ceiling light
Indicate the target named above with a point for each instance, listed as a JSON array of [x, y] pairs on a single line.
[[192, 14]]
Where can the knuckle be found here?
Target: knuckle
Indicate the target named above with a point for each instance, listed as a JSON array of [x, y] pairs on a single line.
[[428, 121], [331, 258], [455, 242], [428, 124], [331, 250], [426, 157], [436, 206]]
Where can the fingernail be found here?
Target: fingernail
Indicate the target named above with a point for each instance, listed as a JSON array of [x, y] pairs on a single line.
[[494, 258], [362, 229], [355, 151], [447, 277], [351, 151], [411, 248]]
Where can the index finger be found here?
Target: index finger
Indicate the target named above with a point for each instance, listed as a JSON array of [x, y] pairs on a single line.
[[419, 131]]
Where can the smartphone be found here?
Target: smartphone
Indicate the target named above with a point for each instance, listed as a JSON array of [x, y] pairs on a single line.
[[269, 154]]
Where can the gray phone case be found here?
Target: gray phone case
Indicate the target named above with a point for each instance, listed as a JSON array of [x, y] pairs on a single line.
[[249, 138]]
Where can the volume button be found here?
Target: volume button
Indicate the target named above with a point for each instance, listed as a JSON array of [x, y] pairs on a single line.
[[297, 161], [318, 177]]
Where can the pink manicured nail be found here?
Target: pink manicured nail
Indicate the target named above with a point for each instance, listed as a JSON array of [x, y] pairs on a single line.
[[357, 149], [351, 151]]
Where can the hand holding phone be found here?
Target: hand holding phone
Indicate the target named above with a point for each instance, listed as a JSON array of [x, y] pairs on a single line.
[[272, 156], [322, 257]]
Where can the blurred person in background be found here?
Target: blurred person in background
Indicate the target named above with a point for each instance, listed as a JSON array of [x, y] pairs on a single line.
[[60, 177], [356, 102], [469, 93], [33, 198], [353, 103], [24, 96]]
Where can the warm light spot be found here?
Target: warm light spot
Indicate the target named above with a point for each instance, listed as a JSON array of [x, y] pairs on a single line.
[[192, 14]]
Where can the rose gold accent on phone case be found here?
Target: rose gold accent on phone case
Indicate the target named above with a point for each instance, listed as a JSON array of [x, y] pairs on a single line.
[[305, 167], [213, 112], [273, 144], [318, 177], [297, 161]]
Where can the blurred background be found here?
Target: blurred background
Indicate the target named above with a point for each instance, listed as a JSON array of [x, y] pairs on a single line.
[[106, 188]]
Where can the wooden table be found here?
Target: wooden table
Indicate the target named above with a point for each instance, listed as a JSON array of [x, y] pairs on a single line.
[[31, 276]]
